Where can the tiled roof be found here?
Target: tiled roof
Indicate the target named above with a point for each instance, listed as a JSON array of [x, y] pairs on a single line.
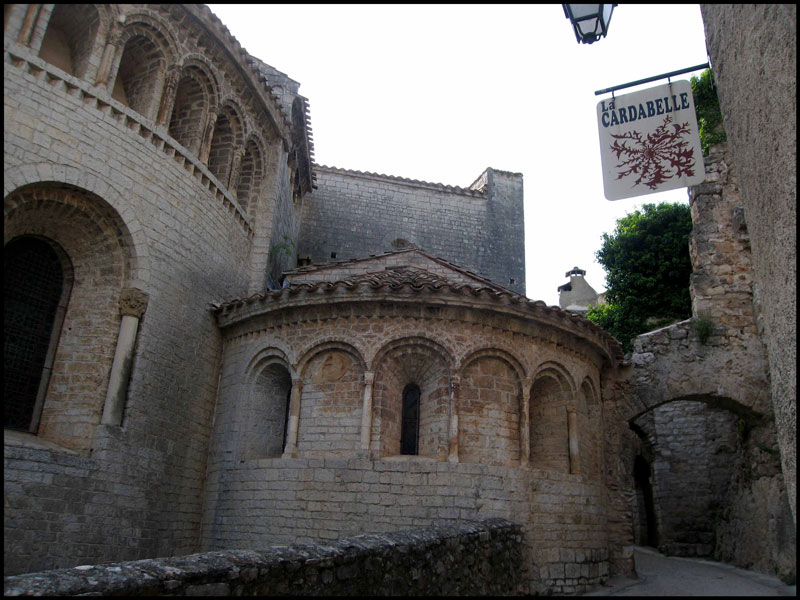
[[410, 279], [399, 276], [482, 281]]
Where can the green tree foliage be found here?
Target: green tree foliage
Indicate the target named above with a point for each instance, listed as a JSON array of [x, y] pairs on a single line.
[[648, 266], [709, 115]]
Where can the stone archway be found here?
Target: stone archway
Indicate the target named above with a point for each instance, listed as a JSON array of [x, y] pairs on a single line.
[[716, 486]]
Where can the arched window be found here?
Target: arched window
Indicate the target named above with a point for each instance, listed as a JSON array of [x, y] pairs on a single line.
[[549, 434], [69, 37], [192, 99], [33, 291], [227, 134], [141, 73], [409, 434], [249, 175], [266, 415]]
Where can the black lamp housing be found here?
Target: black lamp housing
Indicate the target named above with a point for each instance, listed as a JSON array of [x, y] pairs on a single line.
[[590, 21]]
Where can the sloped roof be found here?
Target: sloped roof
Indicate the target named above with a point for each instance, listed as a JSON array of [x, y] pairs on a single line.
[[404, 283], [424, 267]]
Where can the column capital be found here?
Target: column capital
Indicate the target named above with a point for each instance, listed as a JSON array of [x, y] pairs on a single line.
[[133, 302], [369, 377]]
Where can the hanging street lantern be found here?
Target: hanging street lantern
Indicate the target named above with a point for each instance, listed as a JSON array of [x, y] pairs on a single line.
[[590, 21]]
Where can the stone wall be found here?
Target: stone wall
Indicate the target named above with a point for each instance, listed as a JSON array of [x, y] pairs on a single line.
[[758, 42], [134, 207], [701, 407], [282, 501], [353, 214], [347, 475], [463, 559]]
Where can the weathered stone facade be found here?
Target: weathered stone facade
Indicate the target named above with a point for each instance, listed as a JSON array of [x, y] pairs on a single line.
[[468, 559], [342, 220], [509, 425], [709, 483], [750, 43], [162, 170], [194, 389]]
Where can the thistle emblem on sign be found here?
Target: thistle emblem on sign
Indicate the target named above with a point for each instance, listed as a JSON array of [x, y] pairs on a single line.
[[661, 155]]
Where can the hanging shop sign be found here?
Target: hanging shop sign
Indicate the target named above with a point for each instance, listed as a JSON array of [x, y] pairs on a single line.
[[649, 141]]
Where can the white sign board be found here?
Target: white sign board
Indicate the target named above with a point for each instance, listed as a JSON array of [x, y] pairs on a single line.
[[649, 141]]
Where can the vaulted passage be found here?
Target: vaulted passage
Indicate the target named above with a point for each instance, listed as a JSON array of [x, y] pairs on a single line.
[[683, 492]]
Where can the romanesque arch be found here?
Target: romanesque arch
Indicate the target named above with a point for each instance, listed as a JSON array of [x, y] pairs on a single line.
[[683, 473], [331, 375], [590, 430], [195, 96], [262, 421], [251, 173], [38, 277], [70, 37], [144, 55], [423, 363], [227, 139], [490, 408], [96, 244], [111, 204], [551, 394]]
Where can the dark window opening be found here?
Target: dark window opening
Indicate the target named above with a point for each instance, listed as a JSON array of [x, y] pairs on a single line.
[[333, 254], [32, 292], [409, 436], [644, 494]]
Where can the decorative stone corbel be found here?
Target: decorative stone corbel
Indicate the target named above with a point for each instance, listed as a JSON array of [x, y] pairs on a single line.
[[132, 304]]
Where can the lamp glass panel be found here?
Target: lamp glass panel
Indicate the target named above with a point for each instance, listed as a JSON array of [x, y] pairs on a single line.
[[584, 10], [588, 27], [607, 9]]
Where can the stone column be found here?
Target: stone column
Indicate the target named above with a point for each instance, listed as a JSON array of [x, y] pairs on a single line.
[[236, 163], [109, 52], [366, 410], [452, 452], [208, 135], [572, 429], [39, 27], [168, 97], [117, 50], [294, 419], [132, 304], [26, 31], [525, 425]]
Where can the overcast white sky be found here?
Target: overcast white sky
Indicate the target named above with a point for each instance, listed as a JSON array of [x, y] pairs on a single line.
[[440, 92]]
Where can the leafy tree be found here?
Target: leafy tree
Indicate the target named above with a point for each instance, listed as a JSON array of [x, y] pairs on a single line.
[[709, 114], [648, 266]]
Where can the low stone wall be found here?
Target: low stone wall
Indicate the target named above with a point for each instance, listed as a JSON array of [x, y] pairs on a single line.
[[468, 558], [285, 501]]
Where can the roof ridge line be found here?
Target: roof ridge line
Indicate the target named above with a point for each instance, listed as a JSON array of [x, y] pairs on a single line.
[[443, 186]]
